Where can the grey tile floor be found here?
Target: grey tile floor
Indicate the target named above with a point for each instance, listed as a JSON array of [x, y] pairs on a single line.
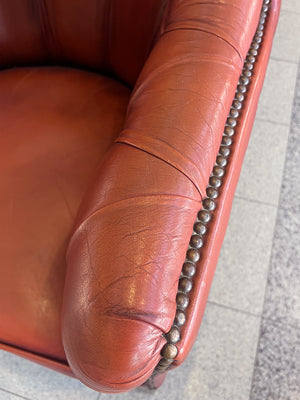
[[248, 347]]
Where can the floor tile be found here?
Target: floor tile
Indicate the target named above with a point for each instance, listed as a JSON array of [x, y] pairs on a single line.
[[35, 382], [276, 99], [241, 273], [283, 290], [277, 369], [291, 5], [286, 44], [291, 179], [219, 365], [282, 302], [10, 396], [264, 163]]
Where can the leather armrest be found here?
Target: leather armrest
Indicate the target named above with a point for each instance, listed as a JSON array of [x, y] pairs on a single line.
[[131, 236]]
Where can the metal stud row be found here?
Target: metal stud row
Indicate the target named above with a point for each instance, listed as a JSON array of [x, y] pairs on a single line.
[[205, 215]]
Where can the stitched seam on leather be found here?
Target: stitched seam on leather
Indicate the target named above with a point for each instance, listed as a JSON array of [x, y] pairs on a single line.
[[187, 60], [165, 18], [133, 199], [157, 30], [211, 33], [106, 34], [127, 199], [134, 318], [47, 31], [124, 142], [209, 207]]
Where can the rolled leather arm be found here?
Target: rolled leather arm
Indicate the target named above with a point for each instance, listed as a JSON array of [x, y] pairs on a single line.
[[133, 229]]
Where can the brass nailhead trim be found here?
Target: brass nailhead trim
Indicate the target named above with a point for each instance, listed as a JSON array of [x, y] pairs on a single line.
[[170, 351]]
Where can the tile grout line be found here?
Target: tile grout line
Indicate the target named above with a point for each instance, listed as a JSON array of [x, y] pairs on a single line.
[[255, 201], [233, 309], [14, 394], [283, 60], [271, 122], [272, 246], [280, 322], [290, 11]]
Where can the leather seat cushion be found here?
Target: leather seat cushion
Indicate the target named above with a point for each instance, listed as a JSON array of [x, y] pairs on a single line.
[[56, 124]]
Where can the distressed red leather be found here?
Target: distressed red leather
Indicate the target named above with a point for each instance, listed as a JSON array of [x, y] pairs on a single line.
[[138, 178], [51, 144], [111, 36], [207, 264], [139, 215]]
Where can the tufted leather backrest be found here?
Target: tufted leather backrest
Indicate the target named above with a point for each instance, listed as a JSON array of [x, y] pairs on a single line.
[[110, 36]]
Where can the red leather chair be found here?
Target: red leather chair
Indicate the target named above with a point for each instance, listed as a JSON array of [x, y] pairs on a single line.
[[112, 220]]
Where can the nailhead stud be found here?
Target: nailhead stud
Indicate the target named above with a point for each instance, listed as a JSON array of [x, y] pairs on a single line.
[[185, 285], [221, 161], [182, 301], [179, 318], [215, 182], [208, 204], [173, 336], [196, 241], [189, 269], [204, 216], [224, 151], [218, 171], [193, 255], [200, 228], [212, 192], [169, 351]]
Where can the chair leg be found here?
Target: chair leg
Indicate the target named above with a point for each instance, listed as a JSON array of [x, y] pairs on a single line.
[[155, 381]]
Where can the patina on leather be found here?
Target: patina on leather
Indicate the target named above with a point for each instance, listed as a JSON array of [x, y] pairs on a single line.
[[112, 116]]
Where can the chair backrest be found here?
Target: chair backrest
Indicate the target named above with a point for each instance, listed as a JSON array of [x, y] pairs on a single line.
[[109, 36]]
